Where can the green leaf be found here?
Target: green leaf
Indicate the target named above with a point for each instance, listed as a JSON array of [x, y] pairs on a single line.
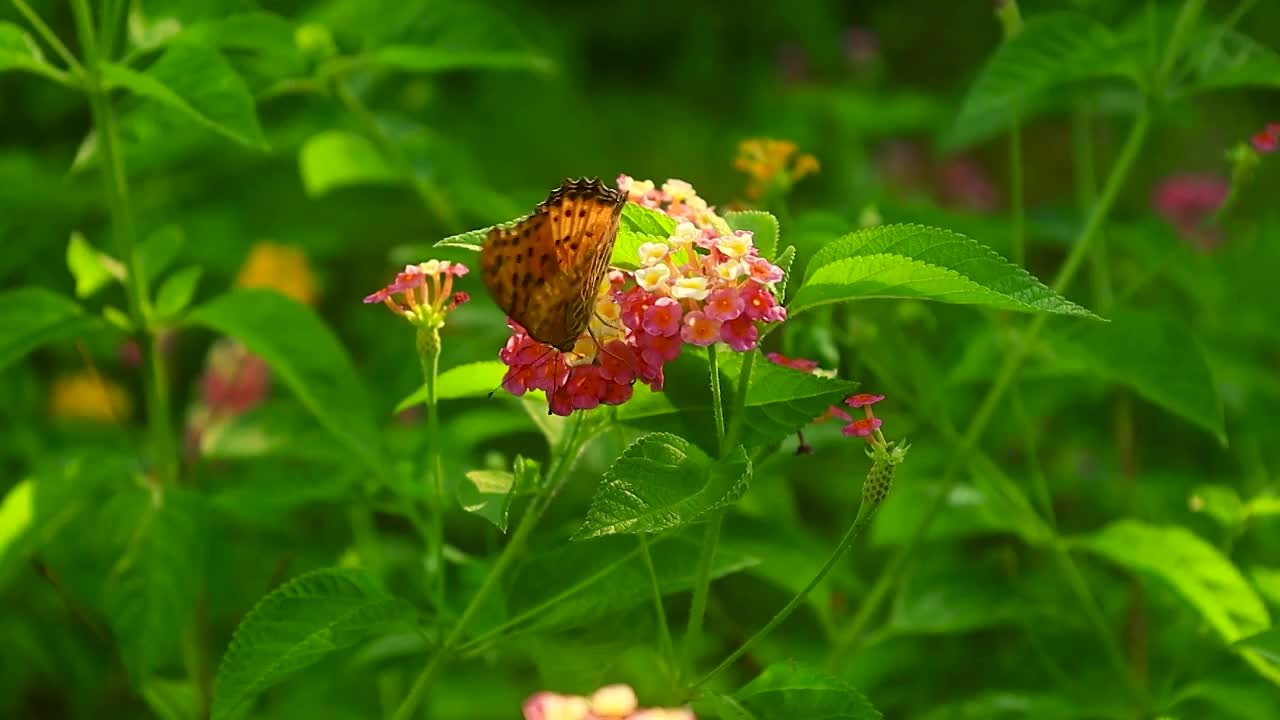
[[648, 221], [176, 292], [728, 708], [1225, 58], [304, 354], [487, 493], [1196, 570], [158, 251], [1266, 643], [469, 380], [296, 625], [626, 248], [1151, 354], [151, 594], [268, 36], [19, 51], [420, 59], [662, 481], [1220, 502], [469, 240], [334, 159], [31, 317], [787, 691], [17, 510], [922, 263], [1052, 49], [763, 225], [198, 82], [171, 699], [785, 260], [91, 269], [576, 584]]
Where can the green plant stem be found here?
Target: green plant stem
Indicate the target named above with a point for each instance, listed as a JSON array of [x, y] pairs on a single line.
[[736, 419], [429, 353], [1004, 377], [865, 512], [1017, 251], [1031, 448], [50, 37], [116, 188], [1086, 196], [717, 403], [660, 612], [559, 473], [1188, 14], [427, 191]]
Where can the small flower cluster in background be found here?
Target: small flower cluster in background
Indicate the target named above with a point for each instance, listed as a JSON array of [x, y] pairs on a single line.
[[1188, 202], [772, 165], [234, 382], [703, 284], [611, 702], [1266, 140]]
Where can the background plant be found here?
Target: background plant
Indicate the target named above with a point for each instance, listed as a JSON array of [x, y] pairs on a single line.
[[204, 430]]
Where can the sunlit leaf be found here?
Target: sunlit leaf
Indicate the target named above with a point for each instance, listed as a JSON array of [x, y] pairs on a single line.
[[176, 292], [648, 221], [763, 225], [487, 493], [91, 269], [922, 263], [662, 481], [1196, 570], [471, 380], [19, 51], [297, 625], [334, 159]]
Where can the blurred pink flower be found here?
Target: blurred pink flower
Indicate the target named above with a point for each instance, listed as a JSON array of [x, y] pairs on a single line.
[[967, 186], [861, 46], [1188, 202]]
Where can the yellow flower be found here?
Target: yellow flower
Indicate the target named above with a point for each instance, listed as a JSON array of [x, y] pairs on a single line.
[[86, 396], [766, 162], [281, 268]]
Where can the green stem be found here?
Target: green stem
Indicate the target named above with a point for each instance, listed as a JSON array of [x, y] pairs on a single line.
[[865, 511], [1018, 253], [660, 612], [739, 403], [1086, 196], [1090, 604], [427, 192], [1032, 450], [1188, 14], [116, 188], [51, 38], [1013, 361], [698, 606], [429, 353], [717, 403], [557, 477]]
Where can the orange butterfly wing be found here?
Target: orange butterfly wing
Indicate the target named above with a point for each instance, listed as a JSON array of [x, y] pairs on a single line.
[[545, 270]]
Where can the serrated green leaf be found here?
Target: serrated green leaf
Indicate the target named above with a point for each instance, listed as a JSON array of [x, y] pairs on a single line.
[[19, 51], [176, 292], [1052, 49], [576, 584], [296, 625], [31, 317], [784, 261], [488, 493], [1196, 570], [922, 263], [787, 691], [421, 59], [648, 221], [469, 380], [198, 82], [1151, 354], [763, 225], [304, 353], [334, 159], [470, 240], [90, 268], [662, 481], [151, 593], [626, 247]]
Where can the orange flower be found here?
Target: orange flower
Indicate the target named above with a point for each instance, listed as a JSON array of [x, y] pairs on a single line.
[[281, 268], [87, 397], [766, 161]]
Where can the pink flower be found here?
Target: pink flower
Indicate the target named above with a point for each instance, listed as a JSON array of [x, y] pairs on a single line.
[[425, 290], [763, 271], [740, 334], [862, 400], [1265, 141], [1188, 202], [724, 305], [659, 349], [758, 303], [698, 329], [550, 706], [800, 364], [662, 317], [862, 427], [967, 186]]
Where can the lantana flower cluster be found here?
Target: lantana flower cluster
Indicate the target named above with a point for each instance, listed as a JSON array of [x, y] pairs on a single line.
[[611, 702], [867, 427], [423, 293], [703, 284]]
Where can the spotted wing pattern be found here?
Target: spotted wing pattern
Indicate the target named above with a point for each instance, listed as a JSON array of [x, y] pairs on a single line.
[[545, 270]]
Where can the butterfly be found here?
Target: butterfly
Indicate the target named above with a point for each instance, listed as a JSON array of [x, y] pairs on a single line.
[[544, 271]]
